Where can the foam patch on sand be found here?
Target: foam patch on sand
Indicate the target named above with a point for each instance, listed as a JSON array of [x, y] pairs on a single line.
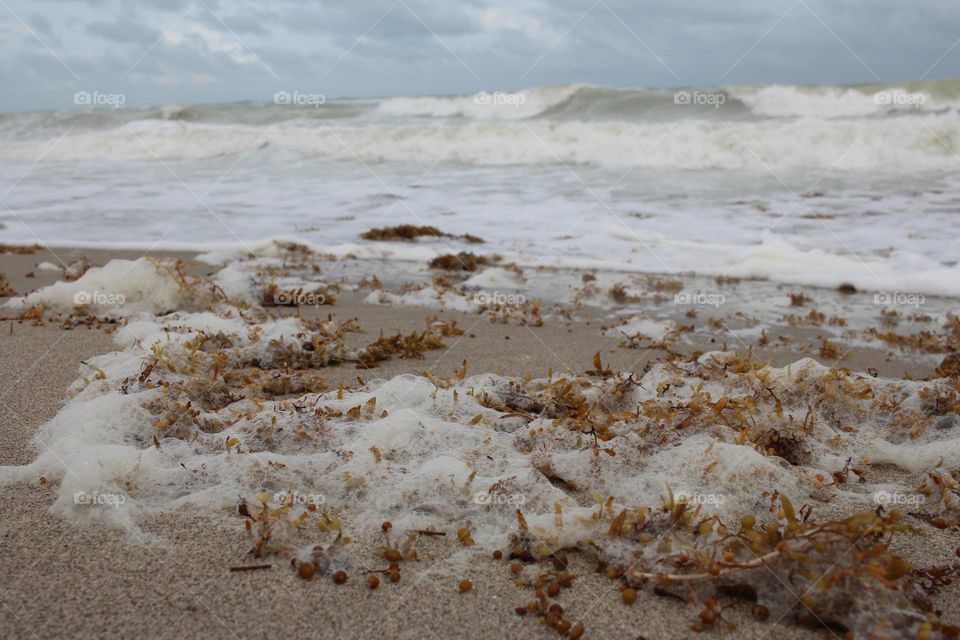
[[498, 306], [189, 413], [122, 288], [428, 297], [494, 278], [641, 327], [232, 374]]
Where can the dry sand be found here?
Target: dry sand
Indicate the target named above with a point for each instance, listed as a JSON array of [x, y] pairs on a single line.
[[63, 579]]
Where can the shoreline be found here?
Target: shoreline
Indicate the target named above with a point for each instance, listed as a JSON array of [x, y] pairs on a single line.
[[791, 333], [80, 578], [381, 254]]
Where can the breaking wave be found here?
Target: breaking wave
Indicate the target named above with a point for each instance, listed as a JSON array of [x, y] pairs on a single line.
[[913, 126], [919, 142]]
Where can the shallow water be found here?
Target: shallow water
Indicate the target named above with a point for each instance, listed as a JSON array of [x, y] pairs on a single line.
[[811, 185]]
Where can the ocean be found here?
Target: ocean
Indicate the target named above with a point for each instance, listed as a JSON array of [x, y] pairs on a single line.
[[816, 185]]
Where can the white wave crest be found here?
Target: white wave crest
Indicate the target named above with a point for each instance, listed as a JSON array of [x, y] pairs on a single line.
[[836, 102], [910, 143]]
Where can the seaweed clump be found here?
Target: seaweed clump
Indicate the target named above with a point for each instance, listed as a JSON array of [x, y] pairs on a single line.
[[840, 574], [275, 296], [6, 290], [619, 294], [409, 346], [411, 232], [950, 366], [404, 232], [20, 249], [463, 261], [799, 299]]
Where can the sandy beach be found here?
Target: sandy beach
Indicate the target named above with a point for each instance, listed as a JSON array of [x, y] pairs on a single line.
[[491, 319], [173, 578]]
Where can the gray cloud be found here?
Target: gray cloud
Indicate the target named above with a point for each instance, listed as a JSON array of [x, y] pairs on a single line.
[[123, 29], [41, 24]]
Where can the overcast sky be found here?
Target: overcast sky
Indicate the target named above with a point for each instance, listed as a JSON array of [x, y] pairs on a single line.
[[186, 51]]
